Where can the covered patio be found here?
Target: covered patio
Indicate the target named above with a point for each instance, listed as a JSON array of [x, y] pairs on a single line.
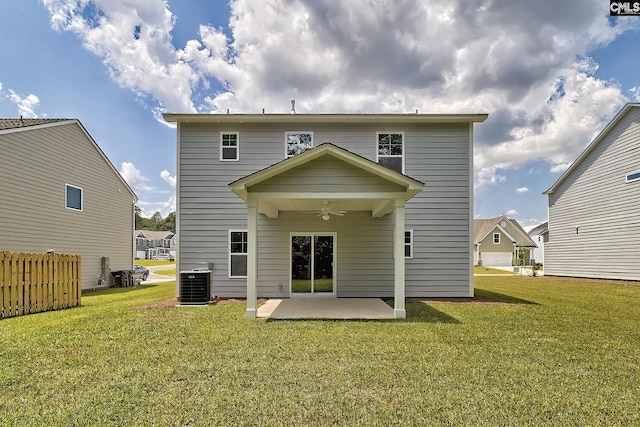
[[309, 182], [325, 308]]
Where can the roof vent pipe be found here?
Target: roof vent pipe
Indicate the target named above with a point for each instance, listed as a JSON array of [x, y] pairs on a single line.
[[293, 106]]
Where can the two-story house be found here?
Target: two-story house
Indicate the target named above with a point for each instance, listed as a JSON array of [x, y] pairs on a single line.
[[327, 205], [152, 243], [500, 242]]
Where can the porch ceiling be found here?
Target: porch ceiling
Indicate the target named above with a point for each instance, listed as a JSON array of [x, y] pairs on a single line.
[[377, 206]]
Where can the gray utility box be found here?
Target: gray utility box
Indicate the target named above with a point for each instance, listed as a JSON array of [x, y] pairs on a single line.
[[195, 286]]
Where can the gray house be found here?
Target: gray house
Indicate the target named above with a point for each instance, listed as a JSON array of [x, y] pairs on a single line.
[[594, 207], [151, 243], [327, 205], [498, 241], [60, 192]]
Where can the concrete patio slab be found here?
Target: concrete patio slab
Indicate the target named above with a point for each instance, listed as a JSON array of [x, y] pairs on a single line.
[[325, 308]]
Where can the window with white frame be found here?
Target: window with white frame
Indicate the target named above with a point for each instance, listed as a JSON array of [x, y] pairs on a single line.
[[73, 197], [297, 142], [237, 253], [390, 151], [408, 244], [496, 238], [633, 176], [229, 146]]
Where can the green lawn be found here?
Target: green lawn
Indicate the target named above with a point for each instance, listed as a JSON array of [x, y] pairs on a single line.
[[153, 262], [560, 352], [168, 272], [489, 270]]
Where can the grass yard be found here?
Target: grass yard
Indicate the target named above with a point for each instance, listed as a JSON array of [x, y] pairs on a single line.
[[168, 272], [546, 351], [489, 270], [153, 262]]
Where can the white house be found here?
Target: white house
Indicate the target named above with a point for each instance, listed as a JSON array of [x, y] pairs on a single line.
[[539, 234], [327, 205]]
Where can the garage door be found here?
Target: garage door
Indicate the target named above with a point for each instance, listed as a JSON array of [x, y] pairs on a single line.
[[496, 259]]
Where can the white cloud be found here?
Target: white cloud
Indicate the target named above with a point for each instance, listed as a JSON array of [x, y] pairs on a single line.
[[134, 177], [512, 212], [526, 64], [634, 91], [26, 106], [522, 190]]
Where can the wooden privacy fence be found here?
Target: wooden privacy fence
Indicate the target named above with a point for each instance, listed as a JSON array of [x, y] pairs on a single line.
[[32, 283]]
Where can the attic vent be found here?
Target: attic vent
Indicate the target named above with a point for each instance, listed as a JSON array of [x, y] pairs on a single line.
[[195, 287], [503, 224]]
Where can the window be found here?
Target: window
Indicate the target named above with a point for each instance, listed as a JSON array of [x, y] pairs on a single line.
[[408, 244], [298, 142], [237, 253], [229, 146], [391, 150], [73, 197], [496, 238], [633, 176]]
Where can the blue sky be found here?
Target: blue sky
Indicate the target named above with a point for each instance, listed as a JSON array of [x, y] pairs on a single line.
[[549, 73]]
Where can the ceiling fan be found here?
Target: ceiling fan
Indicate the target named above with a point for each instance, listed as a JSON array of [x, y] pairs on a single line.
[[325, 212]]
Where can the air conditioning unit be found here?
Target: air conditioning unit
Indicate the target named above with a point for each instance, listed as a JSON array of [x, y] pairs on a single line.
[[195, 287]]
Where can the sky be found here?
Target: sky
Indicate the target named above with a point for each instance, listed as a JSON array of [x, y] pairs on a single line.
[[550, 74]]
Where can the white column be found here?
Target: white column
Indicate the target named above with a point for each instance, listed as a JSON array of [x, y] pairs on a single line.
[[252, 256], [399, 311]]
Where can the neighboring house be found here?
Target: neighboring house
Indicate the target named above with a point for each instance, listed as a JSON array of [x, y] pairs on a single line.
[[594, 207], [152, 243], [60, 192], [539, 235], [329, 205], [498, 241]]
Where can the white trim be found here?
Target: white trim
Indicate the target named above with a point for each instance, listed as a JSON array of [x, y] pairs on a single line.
[[493, 238], [66, 201], [237, 134], [399, 291], [633, 179], [411, 246], [237, 253], [404, 144], [471, 208], [295, 132], [312, 294], [392, 119]]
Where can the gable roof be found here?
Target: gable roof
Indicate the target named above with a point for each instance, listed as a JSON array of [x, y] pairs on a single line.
[[628, 107], [6, 123], [155, 235], [26, 125], [540, 229], [412, 186], [482, 228]]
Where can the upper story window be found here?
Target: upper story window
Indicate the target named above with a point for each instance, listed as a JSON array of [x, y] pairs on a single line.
[[496, 238], [229, 146], [633, 176], [73, 197], [298, 142], [390, 151]]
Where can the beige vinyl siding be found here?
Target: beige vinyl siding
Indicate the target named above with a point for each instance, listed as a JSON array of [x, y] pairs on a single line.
[[436, 154], [35, 165], [596, 199]]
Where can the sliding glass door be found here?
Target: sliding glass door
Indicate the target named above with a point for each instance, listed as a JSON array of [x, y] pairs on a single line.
[[312, 264]]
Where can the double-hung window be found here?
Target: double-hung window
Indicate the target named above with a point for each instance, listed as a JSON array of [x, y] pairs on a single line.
[[297, 142], [73, 197], [390, 151], [237, 253], [229, 146], [496, 238], [633, 176]]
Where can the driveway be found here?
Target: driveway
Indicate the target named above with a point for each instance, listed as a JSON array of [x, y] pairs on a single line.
[[153, 277]]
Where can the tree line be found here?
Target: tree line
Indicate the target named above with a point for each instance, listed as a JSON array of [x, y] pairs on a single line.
[[155, 222]]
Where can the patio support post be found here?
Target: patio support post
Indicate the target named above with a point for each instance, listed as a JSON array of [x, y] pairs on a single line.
[[252, 256], [399, 311]]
